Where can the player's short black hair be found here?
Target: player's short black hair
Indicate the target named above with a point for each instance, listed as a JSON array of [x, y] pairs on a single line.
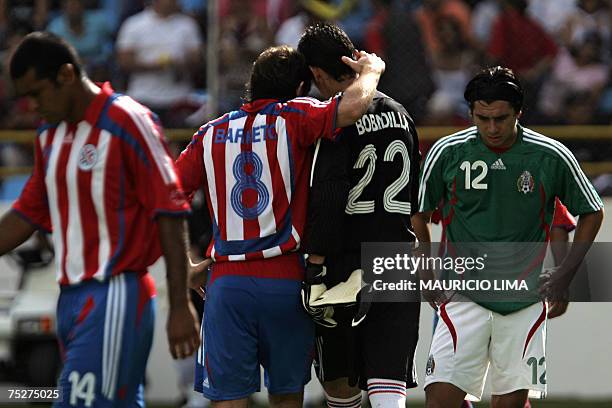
[[518, 5], [46, 53], [323, 45], [495, 84], [276, 74]]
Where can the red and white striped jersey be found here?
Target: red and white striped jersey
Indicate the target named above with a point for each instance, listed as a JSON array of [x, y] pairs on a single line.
[[254, 165], [97, 185]]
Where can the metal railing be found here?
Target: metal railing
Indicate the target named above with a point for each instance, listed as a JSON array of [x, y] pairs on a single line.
[[426, 134]]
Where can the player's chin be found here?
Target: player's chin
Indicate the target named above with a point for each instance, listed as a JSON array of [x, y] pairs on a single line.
[[494, 140]]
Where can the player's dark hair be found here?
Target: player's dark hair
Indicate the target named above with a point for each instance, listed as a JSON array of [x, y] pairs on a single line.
[[323, 45], [46, 53], [276, 74], [518, 5], [495, 84]]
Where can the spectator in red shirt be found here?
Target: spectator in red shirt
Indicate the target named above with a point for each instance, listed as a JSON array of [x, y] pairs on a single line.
[[521, 44]]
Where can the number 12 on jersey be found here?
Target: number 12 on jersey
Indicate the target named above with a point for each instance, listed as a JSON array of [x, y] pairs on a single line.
[[476, 183]]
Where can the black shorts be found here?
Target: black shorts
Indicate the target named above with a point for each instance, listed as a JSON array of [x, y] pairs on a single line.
[[382, 346]]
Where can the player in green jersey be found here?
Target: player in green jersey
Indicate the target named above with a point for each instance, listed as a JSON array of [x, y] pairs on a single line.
[[497, 182]]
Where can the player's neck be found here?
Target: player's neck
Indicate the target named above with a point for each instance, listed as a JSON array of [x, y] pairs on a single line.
[[342, 85], [85, 92]]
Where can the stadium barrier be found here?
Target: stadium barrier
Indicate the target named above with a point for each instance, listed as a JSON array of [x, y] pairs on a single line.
[[426, 134]]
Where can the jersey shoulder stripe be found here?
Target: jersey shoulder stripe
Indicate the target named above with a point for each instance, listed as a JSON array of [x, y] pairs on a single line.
[[446, 141], [45, 127], [113, 120], [436, 152], [142, 120], [568, 158], [311, 101]]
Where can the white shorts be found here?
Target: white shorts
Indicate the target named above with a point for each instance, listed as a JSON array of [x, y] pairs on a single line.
[[470, 339]]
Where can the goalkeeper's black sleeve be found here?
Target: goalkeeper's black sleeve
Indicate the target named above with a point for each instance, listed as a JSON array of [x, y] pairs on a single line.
[[199, 222], [329, 188]]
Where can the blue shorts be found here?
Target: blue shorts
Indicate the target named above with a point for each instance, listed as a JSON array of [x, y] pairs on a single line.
[[250, 322], [105, 331]]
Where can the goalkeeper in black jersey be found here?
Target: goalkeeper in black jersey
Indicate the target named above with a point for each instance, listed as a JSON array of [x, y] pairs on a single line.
[[364, 188]]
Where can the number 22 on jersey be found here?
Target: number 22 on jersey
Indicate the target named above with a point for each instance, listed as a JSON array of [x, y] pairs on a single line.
[[368, 155]]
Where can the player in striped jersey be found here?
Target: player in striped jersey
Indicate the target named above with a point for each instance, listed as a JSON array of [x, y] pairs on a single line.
[[498, 182], [254, 164], [105, 186]]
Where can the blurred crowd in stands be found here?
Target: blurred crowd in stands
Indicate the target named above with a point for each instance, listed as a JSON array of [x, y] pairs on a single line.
[[155, 51]]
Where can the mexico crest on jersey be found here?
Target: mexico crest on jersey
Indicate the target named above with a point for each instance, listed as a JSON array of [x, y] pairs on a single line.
[[88, 156], [431, 365], [525, 183]]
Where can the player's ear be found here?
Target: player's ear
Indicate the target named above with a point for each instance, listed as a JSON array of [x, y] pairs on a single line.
[[66, 74], [304, 88], [317, 73]]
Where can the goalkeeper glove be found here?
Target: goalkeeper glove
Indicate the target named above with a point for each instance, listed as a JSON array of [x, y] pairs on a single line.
[[351, 292], [366, 296], [312, 288], [343, 294]]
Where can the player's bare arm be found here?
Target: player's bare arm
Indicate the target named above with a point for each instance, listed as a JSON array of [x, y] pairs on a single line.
[[420, 223], [559, 238], [360, 93], [555, 284], [182, 326], [15, 231]]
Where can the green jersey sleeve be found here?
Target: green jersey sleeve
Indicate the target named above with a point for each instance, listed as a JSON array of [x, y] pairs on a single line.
[[431, 183], [571, 184], [576, 191]]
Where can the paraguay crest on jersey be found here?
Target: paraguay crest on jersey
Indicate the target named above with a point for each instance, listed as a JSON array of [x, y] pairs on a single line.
[[525, 183], [88, 156]]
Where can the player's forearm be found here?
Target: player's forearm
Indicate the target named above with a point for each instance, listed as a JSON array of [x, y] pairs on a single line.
[[13, 231], [420, 224], [586, 231], [316, 259], [356, 98], [174, 243], [558, 244]]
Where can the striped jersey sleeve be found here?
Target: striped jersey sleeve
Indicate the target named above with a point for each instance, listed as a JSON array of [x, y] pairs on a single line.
[[311, 119], [32, 204], [192, 158], [574, 188], [152, 169]]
